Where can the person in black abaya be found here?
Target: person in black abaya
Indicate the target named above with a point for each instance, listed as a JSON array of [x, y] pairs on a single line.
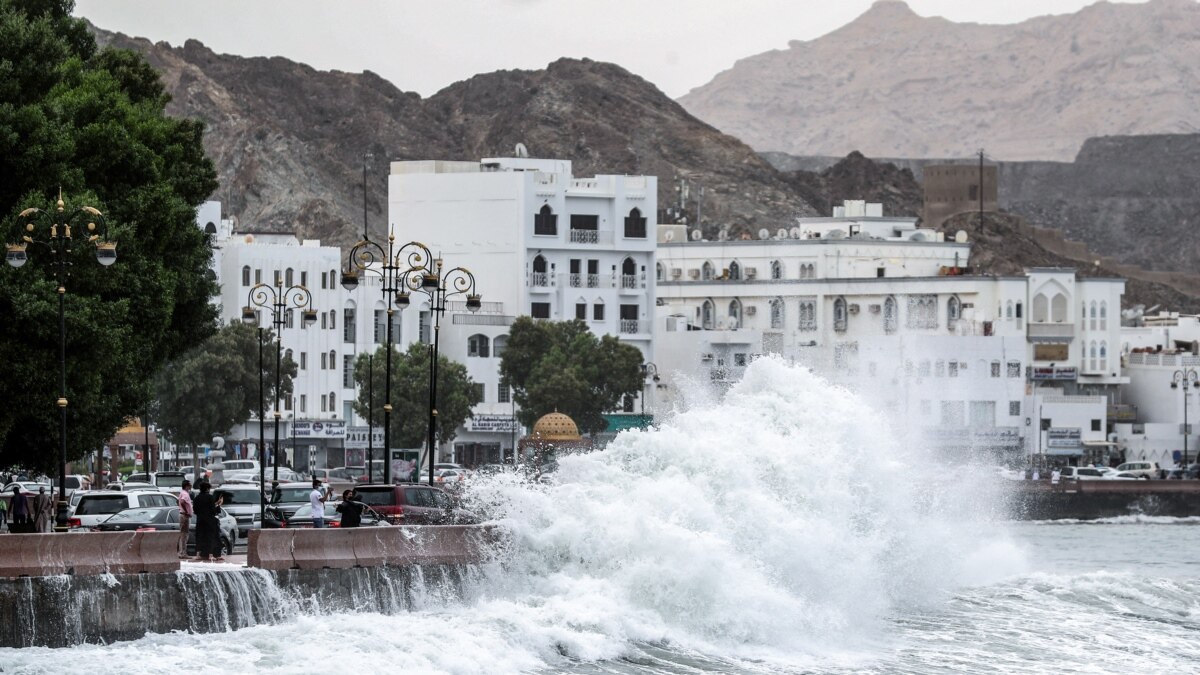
[[208, 529]]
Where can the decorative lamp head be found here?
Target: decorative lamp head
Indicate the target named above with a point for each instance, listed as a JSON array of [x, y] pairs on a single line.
[[429, 281], [473, 302], [402, 299], [309, 317], [16, 255], [349, 280], [249, 316], [106, 252]]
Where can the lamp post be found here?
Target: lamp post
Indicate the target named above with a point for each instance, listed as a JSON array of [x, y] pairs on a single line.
[[649, 372], [58, 241], [1187, 377], [370, 418], [279, 301]]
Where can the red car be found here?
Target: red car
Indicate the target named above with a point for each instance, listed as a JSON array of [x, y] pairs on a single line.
[[413, 504]]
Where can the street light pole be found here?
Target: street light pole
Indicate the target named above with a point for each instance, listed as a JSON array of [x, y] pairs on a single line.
[[262, 435], [649, 371], [1187, 377], [58, 242]]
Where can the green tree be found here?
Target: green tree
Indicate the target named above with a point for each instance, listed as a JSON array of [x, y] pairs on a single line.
[[457, 394], [91, 122], [214, 386], [563, 366]]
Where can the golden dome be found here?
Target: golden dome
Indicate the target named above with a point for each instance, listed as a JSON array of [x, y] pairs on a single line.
[[556, 426]]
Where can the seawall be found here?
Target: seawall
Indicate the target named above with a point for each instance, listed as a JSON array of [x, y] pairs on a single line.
[[1089, 500]]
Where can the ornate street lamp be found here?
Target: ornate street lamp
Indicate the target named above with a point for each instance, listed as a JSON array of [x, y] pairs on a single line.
[[280, 302], [1187, 377], [649, 373], [57, 239]]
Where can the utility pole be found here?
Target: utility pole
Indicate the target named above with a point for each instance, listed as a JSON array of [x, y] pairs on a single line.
[[981, 191]]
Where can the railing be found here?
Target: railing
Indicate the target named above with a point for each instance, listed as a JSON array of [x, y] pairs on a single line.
[[541, 280], [482, 320], [593, 281], [629, 281], [576, 280], [591, 237], [1078, 400], [484, 308], [1064, 331], [1174, 360], [629, 326]]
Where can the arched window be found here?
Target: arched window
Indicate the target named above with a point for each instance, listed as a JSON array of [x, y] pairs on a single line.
[[735, 271], [540, 278], [477, 345], [812, 270], [706, 314], [777, 313], [1103, 355], [660, 271], [1041, 309], [628, 273], [1008, 310], [287, 354], [1103, 316], [1094, 363], [939, 368], [706, 271], [1058, 308], [953, 312], [545, 222], [735, 313], [332, 402], [776, 269], [539, 264], [210, 228], [288, 277], [332, 360], [246, 275], [635, 225], [840, 316], [889, 315], [498, 344], [1092, 321]]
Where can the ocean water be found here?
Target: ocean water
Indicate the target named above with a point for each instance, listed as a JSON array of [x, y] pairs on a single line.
[[788, 528]]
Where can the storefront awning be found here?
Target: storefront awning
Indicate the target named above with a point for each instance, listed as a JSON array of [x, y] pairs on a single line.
[[1063, 452], [622, 422], [1099, 444]]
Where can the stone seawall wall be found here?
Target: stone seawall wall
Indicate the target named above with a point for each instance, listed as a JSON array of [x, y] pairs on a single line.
[[1099, 499]]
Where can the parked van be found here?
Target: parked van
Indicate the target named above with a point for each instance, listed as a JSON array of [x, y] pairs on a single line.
[[1147, 469]]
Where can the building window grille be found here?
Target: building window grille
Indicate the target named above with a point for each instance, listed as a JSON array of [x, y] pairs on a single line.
[[246, 275], [477, 346], [545, 221], [889, 315], [635, 225], [922, 311], [777, 319], [776, 269], [808, 315], [840, 317]]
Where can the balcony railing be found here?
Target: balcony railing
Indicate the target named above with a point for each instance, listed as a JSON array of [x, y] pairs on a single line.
[[629, 326], [541, 280], [576, 280], [1050, 332], [591, 237], [593, 281], [629, 281]]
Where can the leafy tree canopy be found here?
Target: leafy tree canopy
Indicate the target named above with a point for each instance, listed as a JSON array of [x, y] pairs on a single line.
[[91, 122], [457, 394], [215, 386], [563, 366]]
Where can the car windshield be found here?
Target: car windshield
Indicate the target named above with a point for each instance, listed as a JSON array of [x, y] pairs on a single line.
[[289, 495], [1089, 472], [169, 481], [139, 516], [237, 497], [101, 504], [381, 497], [306, 511], [238, 466], [72, 482]]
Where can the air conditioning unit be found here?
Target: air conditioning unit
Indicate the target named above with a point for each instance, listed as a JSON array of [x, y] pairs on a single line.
[[854, 308], [706, 357], [676, 272], [694, 274], [751, 310], [751, 272]]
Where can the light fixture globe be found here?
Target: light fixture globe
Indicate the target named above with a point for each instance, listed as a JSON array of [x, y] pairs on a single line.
[[429, 281], [249, 316], [349, 280], [309, 317], [402, 299], [16, 255], [106, 252], [473, 302]]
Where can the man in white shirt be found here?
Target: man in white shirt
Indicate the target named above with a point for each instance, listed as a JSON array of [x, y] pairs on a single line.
[[316, 499]]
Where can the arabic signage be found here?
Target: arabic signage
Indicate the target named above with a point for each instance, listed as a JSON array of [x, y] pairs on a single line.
[[1054, 374], [333, 429], [1062, 437], [505, 423], [356, 437]]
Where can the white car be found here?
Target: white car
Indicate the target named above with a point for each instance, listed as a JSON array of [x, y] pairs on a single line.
[[28, 487], [97, 505], [1147, 469]]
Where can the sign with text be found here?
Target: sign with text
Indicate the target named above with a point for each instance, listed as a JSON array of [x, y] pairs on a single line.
[[1061, 437], [356, 437], [504, 423], [333, 429], [1053, 374]]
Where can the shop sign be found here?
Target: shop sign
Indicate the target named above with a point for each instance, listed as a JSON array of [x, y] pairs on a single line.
[[319, 429], [1054, 374], [497, 423], [356, 437], [1061, 437]]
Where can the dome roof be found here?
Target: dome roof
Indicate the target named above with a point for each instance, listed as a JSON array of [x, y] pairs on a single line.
[[556, 426]]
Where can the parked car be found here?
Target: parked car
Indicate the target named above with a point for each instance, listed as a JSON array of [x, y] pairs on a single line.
[[447, 477], [171, 481], [74, 482], [336, 479], [286, 475], [195, 475], [97, 505], [241, 502], [239, 468], [1190, 473], [289, 497], [411, 504], [167, 518], [1147, 469], [303, 517], [27, 487]]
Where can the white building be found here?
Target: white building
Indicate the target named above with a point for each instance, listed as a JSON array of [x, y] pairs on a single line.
[[871, 299], [540, 242]]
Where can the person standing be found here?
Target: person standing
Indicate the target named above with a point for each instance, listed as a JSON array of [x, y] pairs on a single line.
[[20, 511], [3, 514], [207, 528], [316, 499], [185, 516], [43, 509], [351, 509]]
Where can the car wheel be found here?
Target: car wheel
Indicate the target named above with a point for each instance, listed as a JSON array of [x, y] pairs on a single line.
[[225, 544]]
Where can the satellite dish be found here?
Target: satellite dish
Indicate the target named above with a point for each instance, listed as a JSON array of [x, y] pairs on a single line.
[[521, 150], [918, 236], [669, 236], [782, 233], [696, 235], [764, 233], [795, 232], [837, 234], [961, 236]]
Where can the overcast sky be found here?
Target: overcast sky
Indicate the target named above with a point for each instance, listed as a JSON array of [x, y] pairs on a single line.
[[424, 45]]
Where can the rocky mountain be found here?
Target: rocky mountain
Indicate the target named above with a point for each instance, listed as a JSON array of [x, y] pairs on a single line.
[[858, 177], [289, 141], [895, 84]]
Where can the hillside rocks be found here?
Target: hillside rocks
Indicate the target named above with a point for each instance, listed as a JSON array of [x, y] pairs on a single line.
[[894, 84]]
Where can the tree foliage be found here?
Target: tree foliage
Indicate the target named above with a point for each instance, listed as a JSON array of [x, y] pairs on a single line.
[[563, 366], [214, 386], [457, 394], [91, 122]]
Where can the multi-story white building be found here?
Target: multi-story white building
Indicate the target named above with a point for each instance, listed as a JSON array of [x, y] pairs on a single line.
[[870, 299], [1160, 352], [540, 242]]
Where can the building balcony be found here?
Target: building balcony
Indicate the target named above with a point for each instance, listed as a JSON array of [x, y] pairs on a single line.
[[591, 237], [630, 326], [632, 283], [1050, 332], [543, 281]]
